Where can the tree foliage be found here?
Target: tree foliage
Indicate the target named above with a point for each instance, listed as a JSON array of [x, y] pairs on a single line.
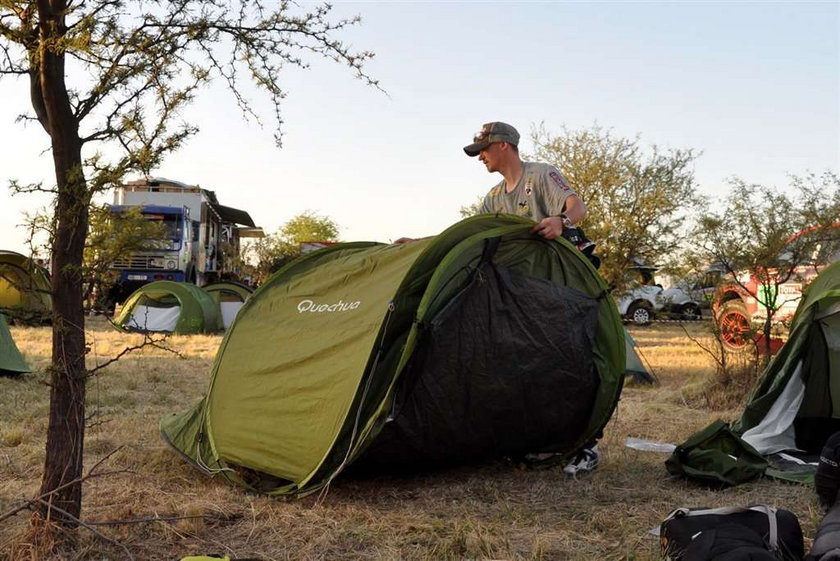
[[112, 237], [270, 253], [773, 236], [636, 198], [108, 81]]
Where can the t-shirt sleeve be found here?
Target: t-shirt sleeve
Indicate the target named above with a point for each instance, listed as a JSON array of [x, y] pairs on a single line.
[[555, 190], [486, 206]]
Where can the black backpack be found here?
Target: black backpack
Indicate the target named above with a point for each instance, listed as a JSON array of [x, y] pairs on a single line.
[[753, 533], [827, 478]]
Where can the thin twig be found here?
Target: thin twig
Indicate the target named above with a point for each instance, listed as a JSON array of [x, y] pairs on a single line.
[[29, 502], [147, 342], [90, 475], [147, 519], [86, 525]]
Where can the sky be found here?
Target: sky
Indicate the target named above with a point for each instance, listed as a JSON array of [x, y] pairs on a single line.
[[754, 86]]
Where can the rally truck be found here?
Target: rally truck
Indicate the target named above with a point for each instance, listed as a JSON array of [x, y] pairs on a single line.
[[742, 299], [200, 241]]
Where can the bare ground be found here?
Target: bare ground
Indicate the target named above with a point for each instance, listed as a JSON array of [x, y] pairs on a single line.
[[492, 511]]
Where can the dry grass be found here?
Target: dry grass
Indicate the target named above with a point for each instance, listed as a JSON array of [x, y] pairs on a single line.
[[491, 511]]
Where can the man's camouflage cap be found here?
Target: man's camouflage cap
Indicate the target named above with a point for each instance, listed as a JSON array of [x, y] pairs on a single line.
[[490, 133]]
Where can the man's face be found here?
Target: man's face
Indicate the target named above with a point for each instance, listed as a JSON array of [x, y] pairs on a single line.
[[490, 156]]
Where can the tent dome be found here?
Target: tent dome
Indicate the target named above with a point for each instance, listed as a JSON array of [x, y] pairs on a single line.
[[230, 297], [485, 340], [24, 288], [169, 307]]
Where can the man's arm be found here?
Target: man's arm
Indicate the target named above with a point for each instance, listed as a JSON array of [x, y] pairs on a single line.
[[574, 211]]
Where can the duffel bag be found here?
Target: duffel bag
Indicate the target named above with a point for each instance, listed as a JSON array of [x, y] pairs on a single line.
[[755, 533]]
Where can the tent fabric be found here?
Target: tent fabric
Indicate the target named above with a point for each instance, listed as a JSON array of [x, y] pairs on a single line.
[[474, 389], [153, 318], [775, 432], [811, 357], [24, 288], [635, 367], [345, 349], [169, 307], [230, 296], [11, 360]]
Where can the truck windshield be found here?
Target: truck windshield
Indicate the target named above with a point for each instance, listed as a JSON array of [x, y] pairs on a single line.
[[172, 225]]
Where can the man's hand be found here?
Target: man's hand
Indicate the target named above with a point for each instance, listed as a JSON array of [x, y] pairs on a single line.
[[549, 227]]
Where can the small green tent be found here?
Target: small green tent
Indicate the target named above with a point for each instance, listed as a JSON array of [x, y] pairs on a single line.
[[483, 341], [169, 307], [24, 288], [11, 361], [635, 367], [796, 402], [230, 297]]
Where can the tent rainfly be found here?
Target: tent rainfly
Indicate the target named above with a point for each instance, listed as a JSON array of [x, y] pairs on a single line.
[[11, 361], [485, 340], [169, 307], [24, 288], [230, 297], [796, 402]]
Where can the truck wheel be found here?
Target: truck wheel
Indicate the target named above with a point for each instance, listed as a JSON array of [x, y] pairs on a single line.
[[734, 325], [690, 312], [640, 313]]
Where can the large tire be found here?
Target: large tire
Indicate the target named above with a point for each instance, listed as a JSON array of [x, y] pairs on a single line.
[[734, 326], [640, 313]]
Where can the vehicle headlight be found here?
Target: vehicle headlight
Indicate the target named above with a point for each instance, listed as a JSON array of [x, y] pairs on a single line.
[[171, 264]]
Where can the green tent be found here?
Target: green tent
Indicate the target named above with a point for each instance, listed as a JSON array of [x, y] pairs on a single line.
[[485, 340], [169, 307], [796, 402], [11, 361], [230, 297], [24, 288], [635, 367]]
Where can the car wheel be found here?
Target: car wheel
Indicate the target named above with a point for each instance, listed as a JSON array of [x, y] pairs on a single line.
[[690, 312], [734, 325], [640, 313]]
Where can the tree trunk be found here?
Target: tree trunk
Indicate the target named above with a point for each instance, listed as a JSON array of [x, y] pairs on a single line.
[[65, 435]]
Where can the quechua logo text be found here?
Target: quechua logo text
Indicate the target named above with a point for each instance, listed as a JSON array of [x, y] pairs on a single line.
[[314, 307]]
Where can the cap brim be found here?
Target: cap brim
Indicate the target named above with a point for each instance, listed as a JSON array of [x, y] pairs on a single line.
[[473, 149]]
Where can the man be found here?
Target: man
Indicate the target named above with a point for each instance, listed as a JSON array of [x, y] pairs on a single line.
[[530, 189], [539, 192]]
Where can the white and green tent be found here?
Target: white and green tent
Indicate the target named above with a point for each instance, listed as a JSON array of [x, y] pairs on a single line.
[[796, 402], [169, 307], [483, 341], [230, 297]]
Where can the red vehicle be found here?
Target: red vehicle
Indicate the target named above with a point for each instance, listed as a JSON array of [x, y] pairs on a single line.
[[742, 300]]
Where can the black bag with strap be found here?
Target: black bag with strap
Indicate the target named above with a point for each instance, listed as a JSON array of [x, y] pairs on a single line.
[[752, 533]]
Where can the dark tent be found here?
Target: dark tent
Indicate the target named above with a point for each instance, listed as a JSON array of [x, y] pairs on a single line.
[[483, 341]]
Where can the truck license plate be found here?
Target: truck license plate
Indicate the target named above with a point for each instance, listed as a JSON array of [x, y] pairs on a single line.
[[136, 277]]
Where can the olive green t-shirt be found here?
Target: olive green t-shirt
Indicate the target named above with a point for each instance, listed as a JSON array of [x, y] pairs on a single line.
[[541, 192]]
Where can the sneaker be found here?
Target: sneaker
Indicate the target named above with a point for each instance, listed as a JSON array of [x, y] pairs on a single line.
[[585, 462]]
